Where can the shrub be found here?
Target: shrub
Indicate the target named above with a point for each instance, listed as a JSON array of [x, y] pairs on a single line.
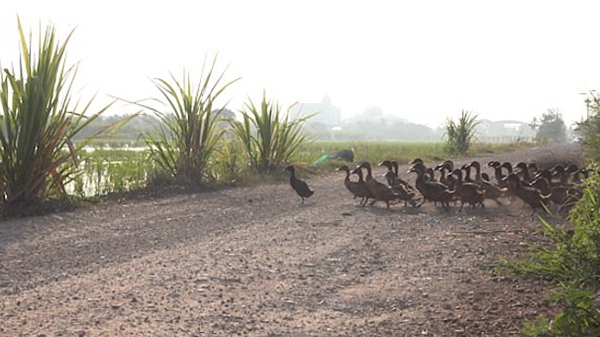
[[38, 121], [188, 133], [268, 137], [461, 134]]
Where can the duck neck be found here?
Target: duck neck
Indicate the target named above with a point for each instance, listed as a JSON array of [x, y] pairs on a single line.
[[369, 174]]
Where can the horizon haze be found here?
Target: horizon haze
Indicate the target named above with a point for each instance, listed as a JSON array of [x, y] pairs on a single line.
[[422, 61]]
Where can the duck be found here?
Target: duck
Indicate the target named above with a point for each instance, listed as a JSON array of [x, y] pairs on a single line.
[[467, 168], [561, 192], [357, 188], [405, 191], [395, 180], [379, 190], [300, 186], [443, 167], [469, 192], [363, 186], [573, 171], [448, 180], [530, 195], [497, 166], [491, 191], [432, 190], [523, 172], [402, 191]]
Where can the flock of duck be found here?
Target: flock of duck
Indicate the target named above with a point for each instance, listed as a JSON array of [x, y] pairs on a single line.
[[445, 184]]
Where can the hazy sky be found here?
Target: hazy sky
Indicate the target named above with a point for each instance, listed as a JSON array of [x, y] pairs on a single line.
[[420, 60]]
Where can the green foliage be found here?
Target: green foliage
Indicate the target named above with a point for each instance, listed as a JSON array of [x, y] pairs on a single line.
[[228, 164], [403, 152], [590, 129], [188, 133], [106, 171], [37, 124], [461, 134], [268, 137], [550, 128], [571, 260]]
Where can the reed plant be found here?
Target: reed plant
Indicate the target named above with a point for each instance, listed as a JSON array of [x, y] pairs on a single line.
[[38, 121], [188, 133], [268, 136]]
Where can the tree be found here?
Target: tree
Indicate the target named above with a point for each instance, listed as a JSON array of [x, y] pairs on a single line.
[[550, 127], [590, 129]]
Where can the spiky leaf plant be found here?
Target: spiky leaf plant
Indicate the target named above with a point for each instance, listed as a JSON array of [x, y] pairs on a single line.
[[461, 134], [268, 136], [38, 121], [188, 133]]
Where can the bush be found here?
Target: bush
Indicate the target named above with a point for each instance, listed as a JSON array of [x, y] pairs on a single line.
[[38, 121], [268, 137], [461, 134], [188, 133]]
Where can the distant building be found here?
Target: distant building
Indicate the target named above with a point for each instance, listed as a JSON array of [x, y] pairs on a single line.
[[325, 113], [504, 131]]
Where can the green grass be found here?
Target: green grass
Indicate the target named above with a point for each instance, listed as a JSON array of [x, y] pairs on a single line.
[[403, 152], [108, 170], [105, 170]]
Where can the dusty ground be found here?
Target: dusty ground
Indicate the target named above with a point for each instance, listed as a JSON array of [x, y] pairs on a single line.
[[254, 262]]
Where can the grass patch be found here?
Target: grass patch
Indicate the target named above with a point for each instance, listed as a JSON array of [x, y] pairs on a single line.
[[403, 152]]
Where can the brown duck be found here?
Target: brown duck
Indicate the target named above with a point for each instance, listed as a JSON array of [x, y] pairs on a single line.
[[380, 191], [530, 195], [357, 188], [363, 186]]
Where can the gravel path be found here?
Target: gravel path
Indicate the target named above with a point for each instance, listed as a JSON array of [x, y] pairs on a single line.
[[255, 262]]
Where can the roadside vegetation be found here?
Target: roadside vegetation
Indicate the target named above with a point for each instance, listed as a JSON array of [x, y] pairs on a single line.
[[38, 120], [568, 255], [268, 137], [461, 134], [188, 134]]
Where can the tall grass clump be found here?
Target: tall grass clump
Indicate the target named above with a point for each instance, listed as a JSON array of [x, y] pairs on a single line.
[[38, 121], [569, 259], [269, 137], [461, 134], [189, 131]]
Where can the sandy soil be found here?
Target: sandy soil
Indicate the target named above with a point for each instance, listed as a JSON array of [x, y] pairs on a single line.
[[255, 262]]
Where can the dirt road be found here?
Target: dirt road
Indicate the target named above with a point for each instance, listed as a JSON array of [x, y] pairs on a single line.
[[255, 262]]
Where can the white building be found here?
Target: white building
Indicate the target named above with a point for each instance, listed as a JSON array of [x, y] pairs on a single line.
[[325, 113]]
